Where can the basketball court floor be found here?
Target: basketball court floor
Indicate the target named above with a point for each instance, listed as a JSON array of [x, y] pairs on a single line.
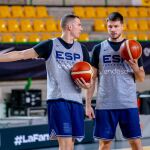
[[116, 145]]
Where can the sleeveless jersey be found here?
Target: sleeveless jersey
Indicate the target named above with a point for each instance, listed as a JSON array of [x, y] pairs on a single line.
[[58, 65], [116, 88]]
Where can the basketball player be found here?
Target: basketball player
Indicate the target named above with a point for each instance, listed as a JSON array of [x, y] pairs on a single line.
[[65, 109], [116, 94]]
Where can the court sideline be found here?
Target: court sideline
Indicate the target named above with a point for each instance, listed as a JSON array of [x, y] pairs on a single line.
[[116, 145]]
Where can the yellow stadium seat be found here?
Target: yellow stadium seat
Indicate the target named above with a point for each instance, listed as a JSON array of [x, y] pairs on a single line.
[[84, 37], [51, 25], [3, 26], [13, 26], [148, 24], [125, 27], [143, 25], [38, 25], [57, 34], [131, 36], [132, 25], [99, 25], [29, 12], [124, 35], [58, 26], [111, 9], [41, 12], [8, 38], [21, 38], [5, 12], [143, 36], [45, 36], [79, 11], [90, 12], [143, 12], [25, 25], [34, 37], [123, 11], [148, 8], [101, 12], [17, 11], [132, 12]]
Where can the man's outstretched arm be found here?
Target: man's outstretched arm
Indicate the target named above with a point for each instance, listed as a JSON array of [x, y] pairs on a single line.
[[18, 55]]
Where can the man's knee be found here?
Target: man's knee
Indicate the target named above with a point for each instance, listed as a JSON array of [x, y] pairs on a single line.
[[135, 141], [136, 144], [105, 145], [66, 143]]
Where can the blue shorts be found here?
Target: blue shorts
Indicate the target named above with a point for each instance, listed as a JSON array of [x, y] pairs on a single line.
[[66, 119], [106, 122]]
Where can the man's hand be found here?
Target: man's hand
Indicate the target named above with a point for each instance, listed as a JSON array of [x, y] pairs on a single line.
[[82, 84], [134, 64], [138, 71], [89, 112]]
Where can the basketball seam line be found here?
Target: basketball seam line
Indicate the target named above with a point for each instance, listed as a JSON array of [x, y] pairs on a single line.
[[91, 71], [141, 50], [79, 72], [128, 49]]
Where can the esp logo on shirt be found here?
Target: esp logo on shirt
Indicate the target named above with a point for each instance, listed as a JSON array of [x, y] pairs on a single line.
[[112, 59], [67, 56]]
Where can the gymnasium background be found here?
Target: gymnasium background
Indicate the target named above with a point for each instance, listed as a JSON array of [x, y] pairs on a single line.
[[24, 23]]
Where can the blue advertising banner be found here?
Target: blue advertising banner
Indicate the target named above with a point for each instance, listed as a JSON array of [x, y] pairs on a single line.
[[32, 137], [146, 56], [35, 69]]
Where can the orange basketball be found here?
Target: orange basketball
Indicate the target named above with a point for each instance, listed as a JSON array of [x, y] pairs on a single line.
[[130, 49], [83, 70]]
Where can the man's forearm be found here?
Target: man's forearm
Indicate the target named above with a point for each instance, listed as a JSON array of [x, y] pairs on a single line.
[[8, 57], [139, 74], [18, 55], [90, 93]]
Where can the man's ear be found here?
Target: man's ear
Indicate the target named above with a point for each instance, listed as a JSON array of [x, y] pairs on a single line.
[[69, 26]]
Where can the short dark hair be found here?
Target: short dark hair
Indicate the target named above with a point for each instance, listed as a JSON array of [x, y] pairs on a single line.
[[115, 16], [66, 18]]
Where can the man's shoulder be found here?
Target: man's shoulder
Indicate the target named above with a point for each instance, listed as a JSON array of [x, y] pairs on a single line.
[[79, 43], [48, 41], [82, 45], [97, 47]]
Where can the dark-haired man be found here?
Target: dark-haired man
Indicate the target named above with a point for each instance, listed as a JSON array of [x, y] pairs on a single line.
[[116, 94], [65, 109]]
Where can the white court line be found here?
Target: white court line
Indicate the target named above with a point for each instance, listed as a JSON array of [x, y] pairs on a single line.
[[123, 149], [144, 148]]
